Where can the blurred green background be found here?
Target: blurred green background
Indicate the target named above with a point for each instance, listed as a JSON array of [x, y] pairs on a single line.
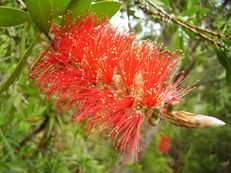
[[34, 139]]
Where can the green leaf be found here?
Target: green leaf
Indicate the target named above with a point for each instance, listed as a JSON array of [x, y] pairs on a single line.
[[138, 27], [12, 16], [202, 11], [79, 7], [191, 11], [8, 146], [177, 40], [40, 11], [227, 42], [164, 3], [191, 3], [59, 6], [105, 8], [18, 69], [51, 125], [225, 60], [23, 41], [158, 2], [189, 33], [228, 76]]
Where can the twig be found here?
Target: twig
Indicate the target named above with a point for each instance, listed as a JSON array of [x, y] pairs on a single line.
[[208, 82], [33, 133], [21, 5], [219, 35], [195, 29]]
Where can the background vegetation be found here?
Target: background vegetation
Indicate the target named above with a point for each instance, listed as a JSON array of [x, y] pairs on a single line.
[[34, 139]]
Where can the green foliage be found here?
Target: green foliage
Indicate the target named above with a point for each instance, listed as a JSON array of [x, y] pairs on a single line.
[[18, 68], [213, 156], [61, 146], [209, 151], [105, 8], [12, 16], [154, 161], [58, 146], [41, 13], [224, 58], [79, 7], [59, 6]]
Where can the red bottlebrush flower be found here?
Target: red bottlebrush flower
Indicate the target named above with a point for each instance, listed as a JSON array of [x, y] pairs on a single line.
[[131, 64], [159, 66], [163, 145], [107, 79]]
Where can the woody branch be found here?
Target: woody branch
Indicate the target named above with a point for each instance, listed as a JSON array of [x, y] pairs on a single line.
[[163, 15]]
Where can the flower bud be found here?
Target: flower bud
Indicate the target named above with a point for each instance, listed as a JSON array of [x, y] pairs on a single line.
[[190, 120]]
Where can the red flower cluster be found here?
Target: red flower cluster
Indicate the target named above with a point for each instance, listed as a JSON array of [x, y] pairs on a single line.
[[163, 145], [108, 79]]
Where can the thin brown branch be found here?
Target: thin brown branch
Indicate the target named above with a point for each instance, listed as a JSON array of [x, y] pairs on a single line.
[[34, 132], [214, 33], [219, 35], [195, 29], [208, 82]]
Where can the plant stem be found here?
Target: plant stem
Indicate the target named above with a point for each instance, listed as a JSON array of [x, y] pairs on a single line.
[[195, 29]]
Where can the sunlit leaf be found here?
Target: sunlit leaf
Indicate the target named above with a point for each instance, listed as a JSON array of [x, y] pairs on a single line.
[[191, 3], [178, 41], [157, 2], [105, 8], [40, 12], [12, 16], [59, 6], [79, 7]]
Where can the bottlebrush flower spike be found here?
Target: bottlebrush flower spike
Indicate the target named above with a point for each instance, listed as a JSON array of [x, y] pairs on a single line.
[[110, 81]]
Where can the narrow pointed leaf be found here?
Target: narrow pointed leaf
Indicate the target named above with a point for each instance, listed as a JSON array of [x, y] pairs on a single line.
[[8, 146], [79, 7], [224, 57], [12, 16], [14, 75], [59, 6], [40, 12], [104, 9], [228, 76]]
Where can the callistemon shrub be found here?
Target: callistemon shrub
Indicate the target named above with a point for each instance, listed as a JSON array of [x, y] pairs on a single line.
[[111, 82]]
